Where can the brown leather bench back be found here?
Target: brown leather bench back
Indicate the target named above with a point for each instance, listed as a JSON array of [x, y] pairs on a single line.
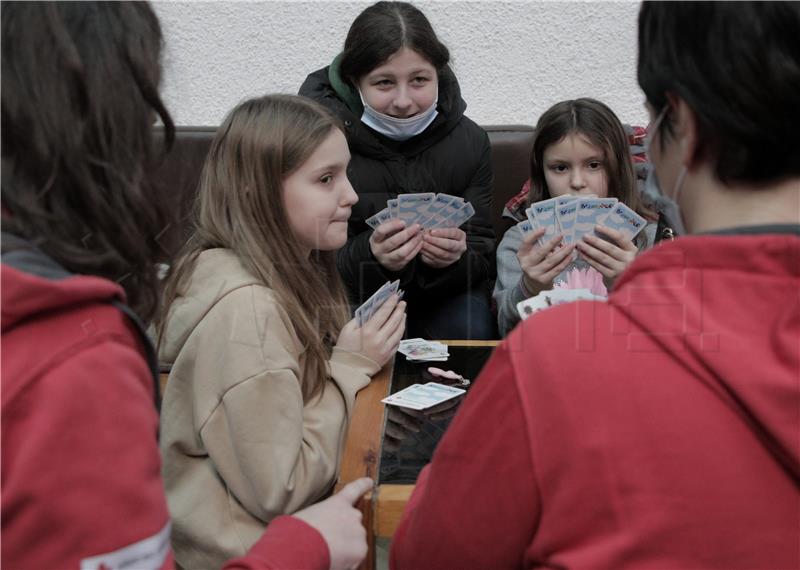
[[179, 172]]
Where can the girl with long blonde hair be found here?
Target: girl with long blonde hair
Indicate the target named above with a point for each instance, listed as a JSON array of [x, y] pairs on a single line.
[[265, 363]]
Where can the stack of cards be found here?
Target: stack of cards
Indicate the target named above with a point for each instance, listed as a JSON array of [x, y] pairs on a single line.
[[427, 209], [552, 298], [577, 216], [421, 350], [365, 311], [423, 396]]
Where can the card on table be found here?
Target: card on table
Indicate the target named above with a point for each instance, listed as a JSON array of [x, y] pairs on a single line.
[[421, 349], [423, 396]]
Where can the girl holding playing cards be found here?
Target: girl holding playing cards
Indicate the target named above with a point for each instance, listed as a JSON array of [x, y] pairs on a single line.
[[265, 363], [404, 119], [580, 149]]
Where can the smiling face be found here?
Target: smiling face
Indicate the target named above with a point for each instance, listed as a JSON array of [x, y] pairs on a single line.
[[403, 86], [318, 196], [575, 166]]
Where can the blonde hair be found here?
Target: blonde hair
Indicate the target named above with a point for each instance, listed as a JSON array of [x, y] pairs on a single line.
[[240, 207]]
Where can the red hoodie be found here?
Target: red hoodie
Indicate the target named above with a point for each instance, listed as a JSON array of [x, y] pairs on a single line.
[[658, 430], [81, 483]]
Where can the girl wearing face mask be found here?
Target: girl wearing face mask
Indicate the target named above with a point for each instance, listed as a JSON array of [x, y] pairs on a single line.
[[404, 120], [265, 361], [580, 148]]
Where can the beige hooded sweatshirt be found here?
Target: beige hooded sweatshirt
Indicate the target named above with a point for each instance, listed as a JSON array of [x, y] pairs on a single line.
[[239, 445]]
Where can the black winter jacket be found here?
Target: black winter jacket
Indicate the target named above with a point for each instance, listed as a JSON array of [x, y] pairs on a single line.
[[452, 156]]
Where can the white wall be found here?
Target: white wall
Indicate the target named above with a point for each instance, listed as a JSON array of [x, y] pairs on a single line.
[[513, 59]]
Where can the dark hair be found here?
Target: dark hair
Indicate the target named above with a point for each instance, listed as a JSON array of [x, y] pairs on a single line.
[[80, 88], [601, 127], [737, 66], [382, 30]]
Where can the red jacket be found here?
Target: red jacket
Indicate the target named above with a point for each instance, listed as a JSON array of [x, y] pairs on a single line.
[[81, 483], [658, 430]]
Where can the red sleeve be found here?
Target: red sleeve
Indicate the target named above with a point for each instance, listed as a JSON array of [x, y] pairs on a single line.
[[81, 466], [476, 504], [288, 543]]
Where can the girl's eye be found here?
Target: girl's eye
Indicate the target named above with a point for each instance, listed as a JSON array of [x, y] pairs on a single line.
[[558, 168], [327, 179], [420, 80], [595, 165], [383, 83]]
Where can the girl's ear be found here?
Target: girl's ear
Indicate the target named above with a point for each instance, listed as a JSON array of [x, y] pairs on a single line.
[[685, 128]]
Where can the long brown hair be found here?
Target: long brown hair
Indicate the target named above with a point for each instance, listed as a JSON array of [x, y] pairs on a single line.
[[80, 93], [598, 123], [240, 207]]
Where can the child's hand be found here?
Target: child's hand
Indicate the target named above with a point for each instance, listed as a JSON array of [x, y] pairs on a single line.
[[610, 259], [443, 247], [380, 336], [340, 524], [394, 245], [541, 264]]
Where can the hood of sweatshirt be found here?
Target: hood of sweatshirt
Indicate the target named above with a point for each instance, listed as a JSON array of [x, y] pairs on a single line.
[[32, 284], [710, 289], [216, 273]]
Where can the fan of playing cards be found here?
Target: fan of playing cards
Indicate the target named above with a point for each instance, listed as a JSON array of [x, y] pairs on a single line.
[[379, 297], [426, 209], [420, 350], [576, 216]]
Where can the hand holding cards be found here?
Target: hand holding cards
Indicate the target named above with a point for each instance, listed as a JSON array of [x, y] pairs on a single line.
[[427, 209], [378, 326], [576, 216]]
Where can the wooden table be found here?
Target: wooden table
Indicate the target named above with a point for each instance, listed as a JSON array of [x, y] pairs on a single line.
[[383, 506]]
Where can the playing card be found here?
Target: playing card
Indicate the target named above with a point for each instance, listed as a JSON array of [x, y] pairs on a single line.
[[377, 219], [566, 213], [413, 207], [544, 214], [423, 396], [436, 209], [588, 214], [459, 217], [421, 349], [525, 227], [436, 220], [365, 311], [560, 202], [623, 219], [392, 205], [554, 297]]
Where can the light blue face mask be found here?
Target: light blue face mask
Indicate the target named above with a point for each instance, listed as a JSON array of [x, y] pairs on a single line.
[[398, 129], [666, 205]]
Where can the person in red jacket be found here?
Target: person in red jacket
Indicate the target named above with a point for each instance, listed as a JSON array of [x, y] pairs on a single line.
[[81, 485], [659, 429]]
